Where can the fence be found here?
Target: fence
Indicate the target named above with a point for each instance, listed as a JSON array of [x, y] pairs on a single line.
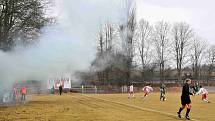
[[95, 89], [124, 89]]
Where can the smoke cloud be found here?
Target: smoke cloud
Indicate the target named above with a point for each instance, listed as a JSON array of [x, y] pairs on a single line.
[[68, 46]]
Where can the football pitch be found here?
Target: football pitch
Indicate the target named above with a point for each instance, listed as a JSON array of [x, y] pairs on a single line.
[[106, 107]]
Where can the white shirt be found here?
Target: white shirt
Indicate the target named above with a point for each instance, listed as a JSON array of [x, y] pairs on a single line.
[[131, 88], [147, 89], [202, 91]]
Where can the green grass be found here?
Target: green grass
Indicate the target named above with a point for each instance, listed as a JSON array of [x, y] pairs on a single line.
[[106, 107]]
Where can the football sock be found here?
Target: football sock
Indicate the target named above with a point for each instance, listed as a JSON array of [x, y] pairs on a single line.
[[180, 110], [188, 111]]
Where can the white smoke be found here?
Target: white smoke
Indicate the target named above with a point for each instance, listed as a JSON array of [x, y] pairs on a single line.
[[68, 46]]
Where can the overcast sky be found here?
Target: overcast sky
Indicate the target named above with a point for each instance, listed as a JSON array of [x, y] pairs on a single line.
[[198, 13]]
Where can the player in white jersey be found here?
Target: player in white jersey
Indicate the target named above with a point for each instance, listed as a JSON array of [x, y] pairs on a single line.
[[204, 93], [147, 90], [131, 91]]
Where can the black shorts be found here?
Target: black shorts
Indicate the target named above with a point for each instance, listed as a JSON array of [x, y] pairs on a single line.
[[185, 100]]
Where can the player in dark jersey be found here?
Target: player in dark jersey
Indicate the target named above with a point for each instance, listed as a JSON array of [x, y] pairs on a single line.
[[185, 99], [162, 92]]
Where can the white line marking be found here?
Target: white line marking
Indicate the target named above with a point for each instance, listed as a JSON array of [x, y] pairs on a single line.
[[140, 108]]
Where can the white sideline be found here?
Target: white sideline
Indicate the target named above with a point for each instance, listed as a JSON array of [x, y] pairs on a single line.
[[140, 108]]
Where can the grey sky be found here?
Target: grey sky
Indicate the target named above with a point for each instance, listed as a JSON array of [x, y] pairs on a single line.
[[198, 13]]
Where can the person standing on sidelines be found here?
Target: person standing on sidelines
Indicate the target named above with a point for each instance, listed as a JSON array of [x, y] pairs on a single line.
[[15, 93], [60, 89], [185, 99], [131, 91], [204, 93], [24, 92], [147, 90]]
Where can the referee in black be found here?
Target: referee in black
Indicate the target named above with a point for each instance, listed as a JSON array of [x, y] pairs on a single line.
[[185, 99]]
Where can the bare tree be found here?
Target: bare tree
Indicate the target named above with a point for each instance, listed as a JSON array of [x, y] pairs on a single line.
[[198, 47], [109, 33], [101, 42], [21, 20], [127, 31], [103, 62], [144, 34], [100, 54], [161, 39], [210, 60], [182, 34]]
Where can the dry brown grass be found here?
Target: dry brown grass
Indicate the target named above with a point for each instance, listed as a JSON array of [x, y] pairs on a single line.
[[105, 107]]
